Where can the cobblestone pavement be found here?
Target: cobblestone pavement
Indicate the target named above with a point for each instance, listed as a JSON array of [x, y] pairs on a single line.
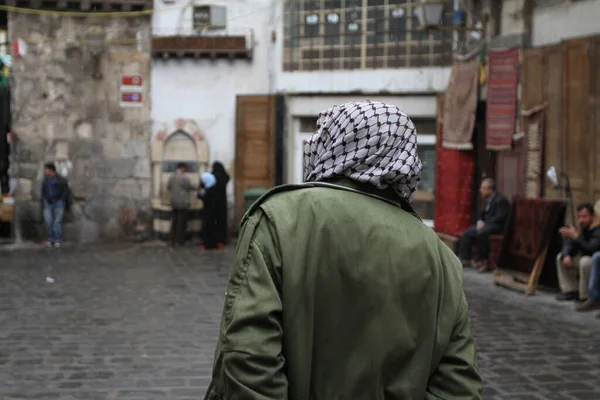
[[140, 323]]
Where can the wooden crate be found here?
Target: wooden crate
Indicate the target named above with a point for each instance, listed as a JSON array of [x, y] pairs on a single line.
[[6, 212]]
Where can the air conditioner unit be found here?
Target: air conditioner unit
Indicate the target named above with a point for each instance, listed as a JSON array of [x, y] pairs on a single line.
[[209, 16]]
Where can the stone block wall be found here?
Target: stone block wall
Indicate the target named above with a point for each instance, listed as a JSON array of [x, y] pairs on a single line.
[[62, 114]]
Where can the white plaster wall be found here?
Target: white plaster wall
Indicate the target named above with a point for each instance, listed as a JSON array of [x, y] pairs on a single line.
[[512, 17], [311, 106], [205, 90], [406, 80], [554, 23]]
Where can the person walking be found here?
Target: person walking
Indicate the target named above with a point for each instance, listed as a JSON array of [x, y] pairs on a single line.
[[55, 192], [209, 196], [221, 234], [337, 288], [179, 187]]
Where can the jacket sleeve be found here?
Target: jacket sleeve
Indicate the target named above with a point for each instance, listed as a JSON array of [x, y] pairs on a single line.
[[567, 247], [44, 193], [64, 184], [249, 363], [588, 246], [189, 186], [457, 376], [501, 215]]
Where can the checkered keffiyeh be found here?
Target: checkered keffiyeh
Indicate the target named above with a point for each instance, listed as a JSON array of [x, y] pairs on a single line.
[[369, 142]]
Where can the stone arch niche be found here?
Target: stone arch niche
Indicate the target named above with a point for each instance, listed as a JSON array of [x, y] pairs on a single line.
[[180, 141]]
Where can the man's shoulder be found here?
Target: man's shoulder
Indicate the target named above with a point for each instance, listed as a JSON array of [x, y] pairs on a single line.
[[501, 198], [328, 201]]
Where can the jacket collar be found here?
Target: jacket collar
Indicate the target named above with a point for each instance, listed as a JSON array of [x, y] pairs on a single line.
[[387, 194]]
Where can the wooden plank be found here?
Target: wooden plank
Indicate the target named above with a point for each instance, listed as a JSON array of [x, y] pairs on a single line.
[[511, 170], [553, 155], [255, 146], [594, 121], [536, 272], [520, 281], [509, 279], [533, 79], [440, 115], [196, 43], [576, 134]]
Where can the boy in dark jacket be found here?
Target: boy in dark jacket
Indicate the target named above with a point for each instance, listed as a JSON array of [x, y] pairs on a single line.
[[54, 194]]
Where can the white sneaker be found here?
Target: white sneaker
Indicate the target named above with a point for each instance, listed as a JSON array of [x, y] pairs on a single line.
[[57, 245], [49, 244]]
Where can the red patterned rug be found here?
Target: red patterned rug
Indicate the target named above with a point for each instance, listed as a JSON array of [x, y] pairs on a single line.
[[501, 113], [460, 104], [453, 189], [533, 225], [534, 127]]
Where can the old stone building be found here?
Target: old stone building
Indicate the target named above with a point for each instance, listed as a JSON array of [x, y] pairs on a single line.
[[70, 108]]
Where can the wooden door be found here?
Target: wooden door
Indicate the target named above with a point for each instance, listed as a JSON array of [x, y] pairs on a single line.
[[511, 170], [576, 137], [594, 120], [254, 146], [512, 163], [553, 155]]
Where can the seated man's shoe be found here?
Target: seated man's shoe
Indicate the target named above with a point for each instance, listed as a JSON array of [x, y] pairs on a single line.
[[485, 266], [571, 296], [588, 305]]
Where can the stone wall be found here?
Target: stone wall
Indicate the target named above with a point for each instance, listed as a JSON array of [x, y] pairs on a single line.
[[62, 114]]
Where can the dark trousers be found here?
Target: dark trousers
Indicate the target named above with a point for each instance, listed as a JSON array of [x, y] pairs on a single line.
[[179, 225], [481, 240]]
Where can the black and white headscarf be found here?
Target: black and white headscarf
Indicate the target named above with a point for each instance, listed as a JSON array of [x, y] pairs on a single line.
[[369, 142]]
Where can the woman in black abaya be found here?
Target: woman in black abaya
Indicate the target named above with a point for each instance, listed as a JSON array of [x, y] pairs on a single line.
[[208, 195], [218, 170]]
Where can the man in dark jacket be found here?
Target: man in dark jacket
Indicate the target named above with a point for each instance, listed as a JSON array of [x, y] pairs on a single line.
[[574, 262], [55, 192], [493, 221]]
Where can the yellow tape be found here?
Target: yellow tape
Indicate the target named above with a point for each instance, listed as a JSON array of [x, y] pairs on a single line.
[[114, 14], [100, 14]]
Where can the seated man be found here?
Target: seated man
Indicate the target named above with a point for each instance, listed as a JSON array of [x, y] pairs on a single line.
[[574, 261], [593, 300], [493, 221]]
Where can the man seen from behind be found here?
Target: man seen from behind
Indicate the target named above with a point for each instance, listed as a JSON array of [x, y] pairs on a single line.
[[179, 187], [338, 290]]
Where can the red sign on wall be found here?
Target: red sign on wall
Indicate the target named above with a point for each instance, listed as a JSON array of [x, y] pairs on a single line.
[[132, 80], [131, 99]]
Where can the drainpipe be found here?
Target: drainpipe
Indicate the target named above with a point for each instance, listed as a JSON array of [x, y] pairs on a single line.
[[455, 34]]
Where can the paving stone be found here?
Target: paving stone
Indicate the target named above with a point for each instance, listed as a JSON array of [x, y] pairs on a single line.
[[124, 322]]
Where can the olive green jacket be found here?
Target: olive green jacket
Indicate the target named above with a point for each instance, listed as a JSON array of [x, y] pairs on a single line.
[[335, 294]]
